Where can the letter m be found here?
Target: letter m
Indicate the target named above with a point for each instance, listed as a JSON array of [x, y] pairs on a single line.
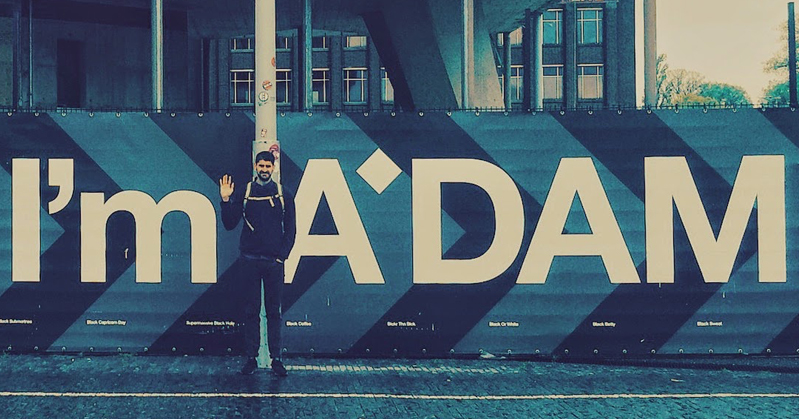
[[760, 181], [148, 217]]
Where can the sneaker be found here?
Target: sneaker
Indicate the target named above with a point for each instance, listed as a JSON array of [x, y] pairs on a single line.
[[278, 368], [249, 366]]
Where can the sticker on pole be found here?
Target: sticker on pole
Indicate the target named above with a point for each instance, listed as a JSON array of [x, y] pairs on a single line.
[[275, 150]]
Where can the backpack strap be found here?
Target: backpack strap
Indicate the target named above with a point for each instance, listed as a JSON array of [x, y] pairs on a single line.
[[282, 207], [244, 206]]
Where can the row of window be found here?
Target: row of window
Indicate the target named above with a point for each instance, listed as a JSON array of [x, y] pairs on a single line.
[[589, 82], [589, 31], [356, 87], [589, 28], [284, 43]]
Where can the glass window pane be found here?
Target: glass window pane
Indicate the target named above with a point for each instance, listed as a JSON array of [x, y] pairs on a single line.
[[283, 88], [319, 42], [356, 42], [281, 95], [590, 82], [241, 92], [283, 42], [550, 33], [355, 91], [320, 85], [388, 91], [550, 88], [320, 92], [589, 33]]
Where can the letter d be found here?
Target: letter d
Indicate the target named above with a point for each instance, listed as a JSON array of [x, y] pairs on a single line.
[[429, 267]]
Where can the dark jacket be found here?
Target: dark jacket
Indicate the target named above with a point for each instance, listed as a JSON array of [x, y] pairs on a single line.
[[273, 230]]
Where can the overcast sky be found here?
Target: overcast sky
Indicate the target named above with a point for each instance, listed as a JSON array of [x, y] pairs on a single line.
[[725, 40]]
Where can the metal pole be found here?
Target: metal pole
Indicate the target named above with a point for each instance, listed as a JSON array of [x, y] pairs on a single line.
[[465, 59], [650, 53], [307, 55], [537, 22], [506, 69], [792, 54], [30, 54], [157, 26], [265, 110], [16, 99]]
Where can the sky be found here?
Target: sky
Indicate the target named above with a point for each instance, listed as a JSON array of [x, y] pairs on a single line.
[[727, 41]]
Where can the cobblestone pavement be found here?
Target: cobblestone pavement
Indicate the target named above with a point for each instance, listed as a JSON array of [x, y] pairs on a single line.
[[127, 386]]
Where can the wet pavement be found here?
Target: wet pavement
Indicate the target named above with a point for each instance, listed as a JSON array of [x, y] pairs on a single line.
[[130, 386]]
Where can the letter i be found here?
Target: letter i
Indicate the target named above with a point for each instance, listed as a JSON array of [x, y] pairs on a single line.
[[26, 199], [25, 209]]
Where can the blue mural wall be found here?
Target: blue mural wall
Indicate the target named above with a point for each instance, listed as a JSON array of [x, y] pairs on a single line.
[[372, 290]]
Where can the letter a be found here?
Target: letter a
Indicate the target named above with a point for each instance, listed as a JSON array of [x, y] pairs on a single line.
[[577, 176], [324, 176]]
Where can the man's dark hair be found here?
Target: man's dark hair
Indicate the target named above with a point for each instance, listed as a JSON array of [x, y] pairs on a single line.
[[265, 155]]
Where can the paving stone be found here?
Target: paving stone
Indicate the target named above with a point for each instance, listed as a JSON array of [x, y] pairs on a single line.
[[126, 386]]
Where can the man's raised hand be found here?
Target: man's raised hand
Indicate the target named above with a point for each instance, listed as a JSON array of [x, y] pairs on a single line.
[[226, 187]]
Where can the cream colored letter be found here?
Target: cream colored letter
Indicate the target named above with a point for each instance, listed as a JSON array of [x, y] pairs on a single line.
[[760, 179], [429, 267], [324, 176], [26, 244], [148, 217], [577, 177]]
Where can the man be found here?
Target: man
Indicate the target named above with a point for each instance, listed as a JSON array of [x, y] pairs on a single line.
[[266, 240]]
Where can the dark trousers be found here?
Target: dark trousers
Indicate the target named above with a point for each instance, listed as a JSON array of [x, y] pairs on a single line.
[[255, 272]]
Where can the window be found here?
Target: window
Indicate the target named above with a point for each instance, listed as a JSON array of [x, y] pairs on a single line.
[[242, 44], [319, 42], [589, 81], [516, 83], [388, 89], [283, 88], [553, 19], [321, 85], [355, 85], [283, 42], [515, 38], [589, 26], [242, 87], [356, 42], [553, 82]]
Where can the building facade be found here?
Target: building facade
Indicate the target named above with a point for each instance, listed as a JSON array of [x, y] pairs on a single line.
[[562, 54]]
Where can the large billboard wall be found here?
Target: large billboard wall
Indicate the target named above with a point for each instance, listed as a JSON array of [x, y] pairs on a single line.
[[583, 234]]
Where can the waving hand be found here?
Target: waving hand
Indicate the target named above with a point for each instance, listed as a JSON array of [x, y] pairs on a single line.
[[226, 187]]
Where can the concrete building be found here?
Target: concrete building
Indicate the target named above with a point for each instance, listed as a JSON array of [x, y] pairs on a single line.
[[376, 55]]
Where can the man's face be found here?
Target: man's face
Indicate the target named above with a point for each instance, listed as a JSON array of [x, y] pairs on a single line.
[[264, 169]]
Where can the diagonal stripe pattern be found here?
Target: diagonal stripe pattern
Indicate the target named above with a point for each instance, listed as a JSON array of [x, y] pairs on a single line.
[[328, 312]]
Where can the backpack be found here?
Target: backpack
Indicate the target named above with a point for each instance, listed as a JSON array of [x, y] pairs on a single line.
[[263, 198]]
